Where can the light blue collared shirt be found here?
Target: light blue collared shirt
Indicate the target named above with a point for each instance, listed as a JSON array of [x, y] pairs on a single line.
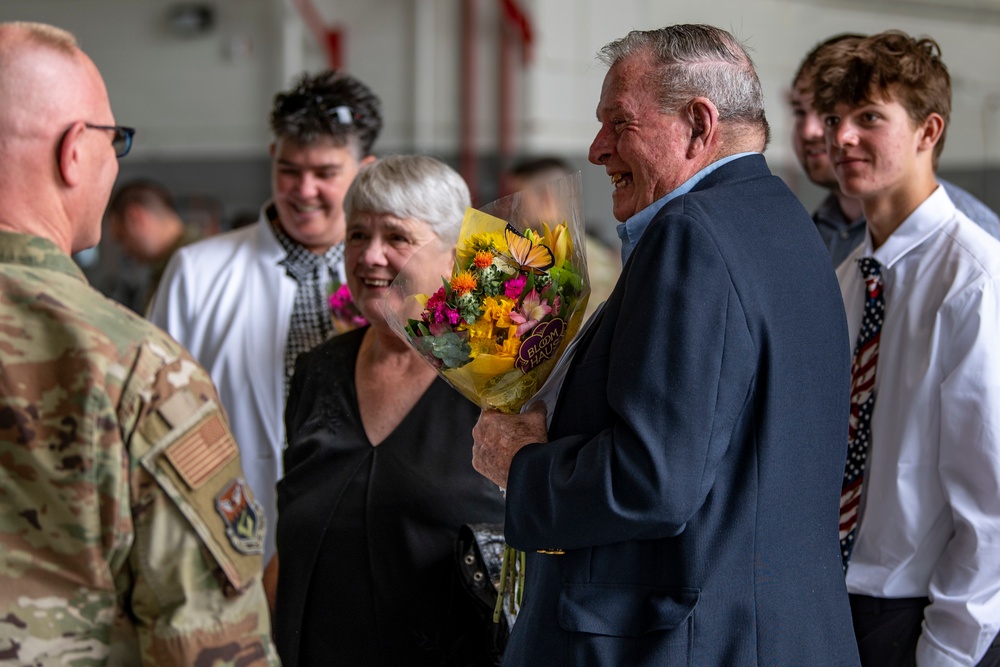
[[632, 229]]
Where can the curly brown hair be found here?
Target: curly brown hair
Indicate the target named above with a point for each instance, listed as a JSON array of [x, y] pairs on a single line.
[[888, 66], [808, 65]]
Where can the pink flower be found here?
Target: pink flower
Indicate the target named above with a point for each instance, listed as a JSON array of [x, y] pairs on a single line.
[[514, 287], [345, 313], [341, 297], [532, 310], [438, 311]]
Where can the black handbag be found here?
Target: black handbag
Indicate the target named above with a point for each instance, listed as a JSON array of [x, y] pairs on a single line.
[[480, 553]]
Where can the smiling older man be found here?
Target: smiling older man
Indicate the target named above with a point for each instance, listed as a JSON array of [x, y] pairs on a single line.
[[686, 494]]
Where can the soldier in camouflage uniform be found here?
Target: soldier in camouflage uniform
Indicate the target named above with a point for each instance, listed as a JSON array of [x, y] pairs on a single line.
[[127, 533]]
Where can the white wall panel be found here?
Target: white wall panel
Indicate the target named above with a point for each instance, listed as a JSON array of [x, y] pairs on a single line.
[[193, 97], [187, 96]]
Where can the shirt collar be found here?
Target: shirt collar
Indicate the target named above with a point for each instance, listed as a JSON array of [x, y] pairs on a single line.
[[298, 255], [632, 229], [923, 223], [29, 250]]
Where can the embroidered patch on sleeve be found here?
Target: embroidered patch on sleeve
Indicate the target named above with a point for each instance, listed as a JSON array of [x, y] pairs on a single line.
[[242, 516], [203, 451], [178, 408]]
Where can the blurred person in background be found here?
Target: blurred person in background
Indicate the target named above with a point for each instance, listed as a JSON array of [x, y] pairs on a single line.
[[603, 263], [144, 220]]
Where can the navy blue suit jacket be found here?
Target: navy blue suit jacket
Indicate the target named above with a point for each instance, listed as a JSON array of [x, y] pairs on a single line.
[[696, 452]]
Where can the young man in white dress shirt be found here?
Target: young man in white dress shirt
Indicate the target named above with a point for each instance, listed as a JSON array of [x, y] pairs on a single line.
[[839, 218], [923, 560]]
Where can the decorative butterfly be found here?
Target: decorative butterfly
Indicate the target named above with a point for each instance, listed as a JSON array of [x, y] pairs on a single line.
[[527, 254]]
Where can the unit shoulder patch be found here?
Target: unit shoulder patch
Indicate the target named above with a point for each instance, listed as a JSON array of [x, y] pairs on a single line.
[[242, 516]]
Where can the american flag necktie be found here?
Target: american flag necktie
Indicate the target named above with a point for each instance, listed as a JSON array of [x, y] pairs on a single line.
[[862, 403]]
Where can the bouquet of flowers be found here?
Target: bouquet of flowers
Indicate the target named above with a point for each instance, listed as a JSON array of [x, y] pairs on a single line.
[[343, 311], [495, 328]]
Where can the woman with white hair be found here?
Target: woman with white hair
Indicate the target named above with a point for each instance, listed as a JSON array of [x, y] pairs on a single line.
[[378, 478]]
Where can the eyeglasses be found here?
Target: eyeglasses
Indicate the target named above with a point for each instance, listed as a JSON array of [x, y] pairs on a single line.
[[122, 142]]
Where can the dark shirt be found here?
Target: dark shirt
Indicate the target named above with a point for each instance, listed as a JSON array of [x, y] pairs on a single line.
[[367, 534], [841, 236]]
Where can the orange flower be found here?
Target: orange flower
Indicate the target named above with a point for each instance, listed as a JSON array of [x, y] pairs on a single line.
[[463, 283], [483, 259]]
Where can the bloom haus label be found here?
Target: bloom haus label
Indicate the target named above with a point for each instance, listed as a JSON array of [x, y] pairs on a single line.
[[540, 345]]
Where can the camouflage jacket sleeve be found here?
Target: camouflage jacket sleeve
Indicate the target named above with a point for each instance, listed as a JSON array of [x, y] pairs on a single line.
[[192, 588]]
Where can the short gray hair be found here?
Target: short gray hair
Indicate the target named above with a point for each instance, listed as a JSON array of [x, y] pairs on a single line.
[[697, 61], [411, 186]]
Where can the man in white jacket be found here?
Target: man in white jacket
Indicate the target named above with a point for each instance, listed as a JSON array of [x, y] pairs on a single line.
[[246, 303]]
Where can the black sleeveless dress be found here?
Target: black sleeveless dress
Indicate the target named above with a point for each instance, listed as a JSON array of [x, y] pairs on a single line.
[[366, 534]]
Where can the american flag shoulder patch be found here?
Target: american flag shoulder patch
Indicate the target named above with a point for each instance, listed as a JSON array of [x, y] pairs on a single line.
[[202, 451]]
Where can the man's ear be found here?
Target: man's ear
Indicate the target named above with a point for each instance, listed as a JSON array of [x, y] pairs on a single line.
[[930, 132], [368, 159], [703, 117], [70, 157]]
